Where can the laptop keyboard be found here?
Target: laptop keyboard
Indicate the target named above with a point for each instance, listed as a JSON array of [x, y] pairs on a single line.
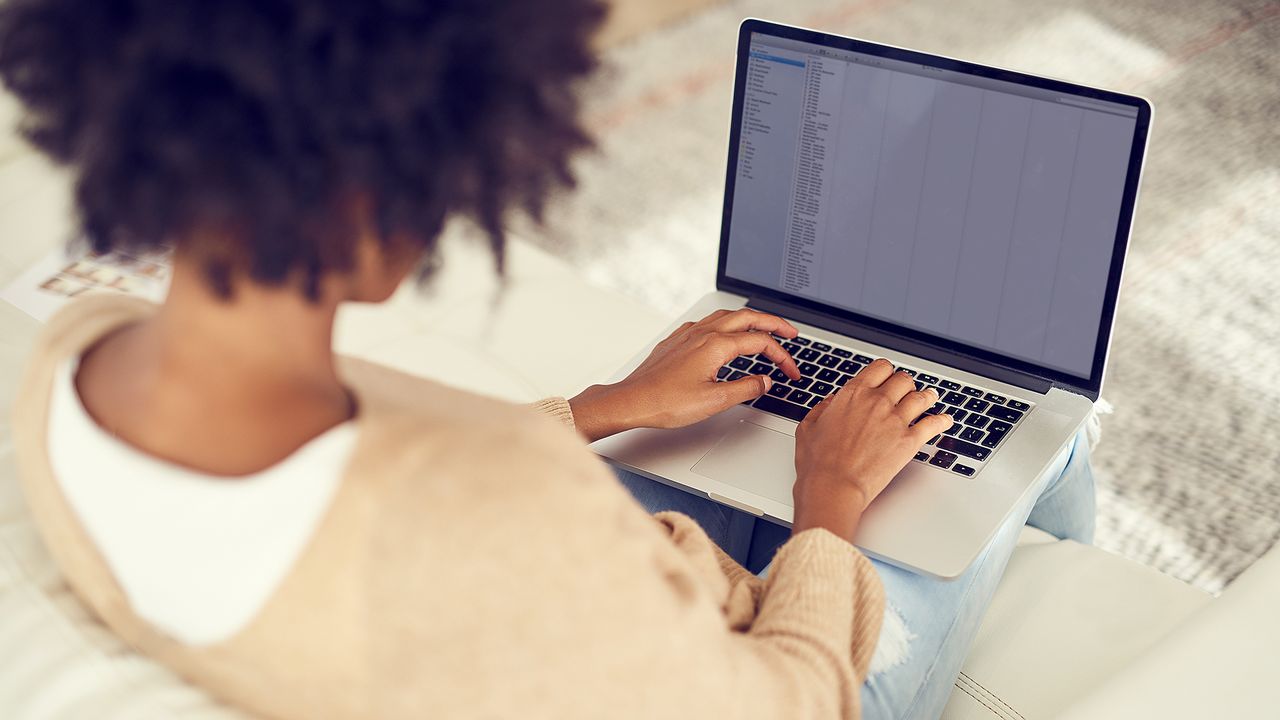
[[982, 418]]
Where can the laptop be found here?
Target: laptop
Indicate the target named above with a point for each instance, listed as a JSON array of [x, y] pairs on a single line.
[[965, 222]]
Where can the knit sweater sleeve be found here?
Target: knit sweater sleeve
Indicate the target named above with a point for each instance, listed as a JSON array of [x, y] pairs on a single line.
[[822, 603], [555, 408], [822, 607]]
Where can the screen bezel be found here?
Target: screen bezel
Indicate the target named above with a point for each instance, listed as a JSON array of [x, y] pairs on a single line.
[[924, 344]]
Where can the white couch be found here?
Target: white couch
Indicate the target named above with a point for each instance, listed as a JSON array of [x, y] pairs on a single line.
[[1070, 625]]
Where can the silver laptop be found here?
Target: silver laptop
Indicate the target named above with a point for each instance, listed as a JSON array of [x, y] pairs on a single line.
[[967, 223]]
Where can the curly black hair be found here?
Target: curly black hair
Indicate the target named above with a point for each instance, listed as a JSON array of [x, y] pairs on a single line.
[[239, 126]]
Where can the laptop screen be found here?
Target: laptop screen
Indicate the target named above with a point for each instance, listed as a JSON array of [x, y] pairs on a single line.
[[966, 207]]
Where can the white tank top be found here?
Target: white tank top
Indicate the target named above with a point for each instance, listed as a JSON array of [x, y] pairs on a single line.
[[197, 555]]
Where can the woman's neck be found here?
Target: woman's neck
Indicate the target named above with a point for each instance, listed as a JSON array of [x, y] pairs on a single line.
[[226, 386], [261, 340]]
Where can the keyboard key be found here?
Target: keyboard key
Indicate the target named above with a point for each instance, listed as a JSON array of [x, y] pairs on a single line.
[[955, 412], [927, 379], [801, 383], [937, 408], [779, 390], [723, 373], [1000, 427], [761, 369], [735, 375], [740, 363], [976, 420], [993, 439], [949, 385], [809, 354], [972, 391], [964, 470], [816, 399], [828, 361], [953, 398], [822, 389], [971, 434], [809, 369], [779, 376], [862, 359], [919, 385], [842, 380], [1007, 414], [799, 396], [848, 366], [922, 457], [828, 375], [1019, 405], [821, 347], [995, 399], [942, 458], [761, 357], [934, 440], [907, 371], [841, 352], [955, 428], [791, 348], [977, 405], [780, 407], [800, 340], [967, 449]]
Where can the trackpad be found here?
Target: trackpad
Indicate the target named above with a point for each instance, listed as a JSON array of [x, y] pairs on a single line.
[[754, 458]]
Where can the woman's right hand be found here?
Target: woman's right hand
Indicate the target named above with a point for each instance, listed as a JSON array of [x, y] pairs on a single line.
[[854, 442]]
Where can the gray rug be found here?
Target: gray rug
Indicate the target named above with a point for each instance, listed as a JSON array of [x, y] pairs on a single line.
[[1189, 464]]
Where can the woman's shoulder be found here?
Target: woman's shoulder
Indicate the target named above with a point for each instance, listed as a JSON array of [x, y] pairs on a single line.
[[432, 428], [392, 398], [435, 463]]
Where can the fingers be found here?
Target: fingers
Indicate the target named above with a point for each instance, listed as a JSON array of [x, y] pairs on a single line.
[[744, 319], [874, 374], [931, 425], [713, 316], [897, 386], [744, 389], [916, 402], [752, 343]]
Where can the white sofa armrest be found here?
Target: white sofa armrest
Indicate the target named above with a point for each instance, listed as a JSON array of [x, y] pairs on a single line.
[[1065, 618], [1224, 662]]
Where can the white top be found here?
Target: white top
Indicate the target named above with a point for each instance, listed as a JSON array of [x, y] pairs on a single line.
[[197, 555]]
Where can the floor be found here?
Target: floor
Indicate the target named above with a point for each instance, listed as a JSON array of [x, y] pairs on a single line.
[[1190, 459]]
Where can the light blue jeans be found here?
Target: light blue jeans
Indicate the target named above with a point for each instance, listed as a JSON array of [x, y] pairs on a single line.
[[941, 617]]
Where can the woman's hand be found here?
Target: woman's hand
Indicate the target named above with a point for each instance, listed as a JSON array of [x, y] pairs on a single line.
[[676, 385], [854, 442]]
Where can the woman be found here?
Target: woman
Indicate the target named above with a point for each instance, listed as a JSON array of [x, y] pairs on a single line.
[[308, 537]]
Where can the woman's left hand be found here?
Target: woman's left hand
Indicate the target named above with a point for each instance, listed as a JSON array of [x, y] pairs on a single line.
[[676, 385]]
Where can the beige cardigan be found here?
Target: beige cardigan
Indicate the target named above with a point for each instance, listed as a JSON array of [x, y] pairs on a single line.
[[479, 561]]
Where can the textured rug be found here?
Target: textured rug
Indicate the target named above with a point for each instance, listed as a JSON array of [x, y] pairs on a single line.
[[1189, 465]]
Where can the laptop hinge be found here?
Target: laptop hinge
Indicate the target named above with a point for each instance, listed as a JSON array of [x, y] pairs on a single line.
[[1078, 391], [893, 341]]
